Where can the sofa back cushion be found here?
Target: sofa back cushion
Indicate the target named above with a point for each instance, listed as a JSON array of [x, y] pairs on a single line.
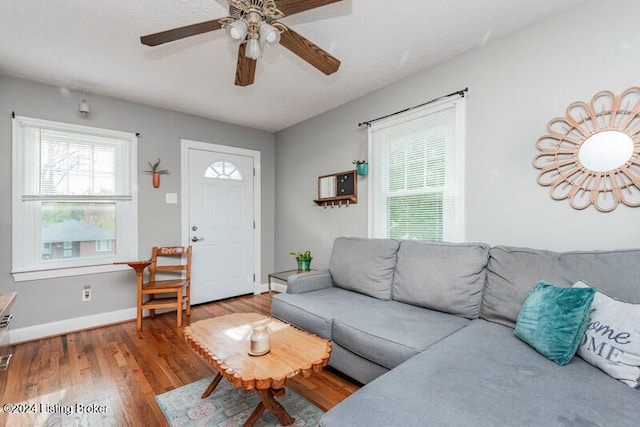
[[447, 277], [364, 265], [514, 272]]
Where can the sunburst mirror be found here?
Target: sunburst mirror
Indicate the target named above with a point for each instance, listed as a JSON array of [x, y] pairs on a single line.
[[592, 155]]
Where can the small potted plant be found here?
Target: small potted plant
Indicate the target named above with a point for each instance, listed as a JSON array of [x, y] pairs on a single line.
[[361, 166], [156, 172], [303, 259]]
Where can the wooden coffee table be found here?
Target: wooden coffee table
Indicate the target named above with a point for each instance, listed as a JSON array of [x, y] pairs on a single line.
[[224, 342]]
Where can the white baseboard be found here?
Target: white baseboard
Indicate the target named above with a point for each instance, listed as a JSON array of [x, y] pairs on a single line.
[[264, 288], [35, 332], [280, 287], [30, 333]]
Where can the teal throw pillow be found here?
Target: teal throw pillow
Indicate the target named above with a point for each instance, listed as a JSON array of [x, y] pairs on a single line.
[[553, 319]]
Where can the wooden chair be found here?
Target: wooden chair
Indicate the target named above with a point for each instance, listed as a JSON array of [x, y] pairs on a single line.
[[180, 263]]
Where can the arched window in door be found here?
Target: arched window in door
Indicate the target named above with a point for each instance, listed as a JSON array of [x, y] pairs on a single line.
[[223, 170]]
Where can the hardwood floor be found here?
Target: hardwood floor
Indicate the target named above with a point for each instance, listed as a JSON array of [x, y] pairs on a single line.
[[122, 370]]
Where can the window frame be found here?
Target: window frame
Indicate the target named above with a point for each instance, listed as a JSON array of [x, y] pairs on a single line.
[[234, 175], [26, 223], [106, 243], [454, 231]]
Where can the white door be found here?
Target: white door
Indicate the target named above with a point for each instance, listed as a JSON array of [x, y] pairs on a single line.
[[221, 224]]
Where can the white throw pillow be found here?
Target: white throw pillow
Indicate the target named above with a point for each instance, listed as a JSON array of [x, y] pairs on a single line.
[[612, 339]]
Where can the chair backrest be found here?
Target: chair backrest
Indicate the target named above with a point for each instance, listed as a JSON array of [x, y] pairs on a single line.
[[170, 259]]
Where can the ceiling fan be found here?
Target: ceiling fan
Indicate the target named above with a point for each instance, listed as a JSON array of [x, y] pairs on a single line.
[[255, 24]]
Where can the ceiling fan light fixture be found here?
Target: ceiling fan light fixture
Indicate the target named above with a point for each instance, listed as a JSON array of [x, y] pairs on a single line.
[[254, 50], [238, 30], [269, 33], [253, 24]]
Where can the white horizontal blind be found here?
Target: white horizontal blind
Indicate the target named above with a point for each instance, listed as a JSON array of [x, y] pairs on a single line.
[[417, 185], [61, 164]]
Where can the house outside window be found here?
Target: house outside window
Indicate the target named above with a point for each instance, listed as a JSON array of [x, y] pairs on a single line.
[[417, 174], [74, 201]]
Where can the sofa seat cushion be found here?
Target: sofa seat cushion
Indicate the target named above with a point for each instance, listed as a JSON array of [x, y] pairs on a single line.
[[483, 375], [364, 265], [447, 277], [392, 332], [314, 311]]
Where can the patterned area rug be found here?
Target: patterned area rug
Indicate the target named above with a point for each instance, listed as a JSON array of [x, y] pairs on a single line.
[[229, 406]]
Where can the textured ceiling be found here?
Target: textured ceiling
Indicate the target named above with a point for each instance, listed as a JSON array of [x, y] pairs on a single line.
[[94, 45]]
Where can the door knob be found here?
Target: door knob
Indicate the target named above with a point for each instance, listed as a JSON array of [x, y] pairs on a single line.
[[196, 239]]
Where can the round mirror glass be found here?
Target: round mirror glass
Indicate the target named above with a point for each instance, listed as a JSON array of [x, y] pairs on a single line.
[[606, 151]]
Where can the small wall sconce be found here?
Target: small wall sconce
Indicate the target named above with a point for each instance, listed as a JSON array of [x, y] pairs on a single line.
[[83, 108]]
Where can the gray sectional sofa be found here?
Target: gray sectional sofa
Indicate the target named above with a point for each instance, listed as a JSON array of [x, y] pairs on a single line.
[[428, 328]]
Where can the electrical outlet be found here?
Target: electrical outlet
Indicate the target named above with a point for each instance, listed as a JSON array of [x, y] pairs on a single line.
[[86, 293]]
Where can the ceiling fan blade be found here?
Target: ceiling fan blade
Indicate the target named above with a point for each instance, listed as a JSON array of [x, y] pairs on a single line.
[[290, 7], [246, 68], [180, 33], [308, 51]]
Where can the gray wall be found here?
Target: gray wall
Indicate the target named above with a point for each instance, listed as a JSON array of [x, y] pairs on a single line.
[[517, 84], [44, 301]]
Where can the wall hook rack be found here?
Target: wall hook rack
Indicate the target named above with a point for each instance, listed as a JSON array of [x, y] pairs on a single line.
[[338, 189], [334, 203]]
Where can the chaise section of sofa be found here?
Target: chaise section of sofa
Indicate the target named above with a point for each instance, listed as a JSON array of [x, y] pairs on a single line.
[[482, 375]]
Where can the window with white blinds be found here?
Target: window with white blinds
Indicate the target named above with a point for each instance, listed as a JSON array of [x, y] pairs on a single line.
[[74, 201], [417, 174], [58, 164]]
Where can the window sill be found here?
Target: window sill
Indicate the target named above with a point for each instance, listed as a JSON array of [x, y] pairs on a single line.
[[24, 276]]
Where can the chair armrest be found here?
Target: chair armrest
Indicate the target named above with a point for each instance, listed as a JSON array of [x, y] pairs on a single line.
[[307, 282]]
